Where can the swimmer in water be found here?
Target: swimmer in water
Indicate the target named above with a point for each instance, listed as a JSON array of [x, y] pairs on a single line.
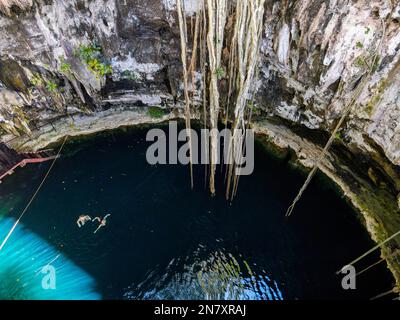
[[82, 220], [102, 222]]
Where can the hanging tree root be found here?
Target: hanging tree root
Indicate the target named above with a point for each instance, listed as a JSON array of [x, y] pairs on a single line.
[[183, 38], [209, 39], [216, 11], [379, 245], [245, 47], [378, 262], [394, 290], [347, 110]]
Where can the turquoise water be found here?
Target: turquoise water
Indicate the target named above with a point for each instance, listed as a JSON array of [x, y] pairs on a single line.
[[23, 264], [165, 241]]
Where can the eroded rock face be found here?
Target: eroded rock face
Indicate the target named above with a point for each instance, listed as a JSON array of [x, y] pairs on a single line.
[[316, 52], [54, 57], [6, 6], [42, 50]]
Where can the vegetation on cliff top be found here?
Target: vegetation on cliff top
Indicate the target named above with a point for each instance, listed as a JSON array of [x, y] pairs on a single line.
[[156, 112]]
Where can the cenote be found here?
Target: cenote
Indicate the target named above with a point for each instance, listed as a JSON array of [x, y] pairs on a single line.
[[166, 241]]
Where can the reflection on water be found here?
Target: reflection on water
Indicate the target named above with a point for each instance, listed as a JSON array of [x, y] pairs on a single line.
[[21, 263], [219, 277]]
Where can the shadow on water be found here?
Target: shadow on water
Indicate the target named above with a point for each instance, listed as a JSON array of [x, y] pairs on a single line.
[[165, 241]]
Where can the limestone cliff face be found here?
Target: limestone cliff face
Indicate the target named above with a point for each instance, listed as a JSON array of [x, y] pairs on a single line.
[[313, 55], [101, 62], [42, 66]]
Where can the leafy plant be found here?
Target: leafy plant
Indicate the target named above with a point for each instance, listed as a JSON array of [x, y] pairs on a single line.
[[360, 62], [65, 68], [220, 73], [156, 112], [256, 110], [339, 136], [98, 67], [88, 52], [369, 60], [92, 57], [359, 45], [36, 81], [367, 30], [51, 86]]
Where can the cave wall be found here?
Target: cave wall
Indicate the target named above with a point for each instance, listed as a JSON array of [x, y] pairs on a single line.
[[138, 41], [315, 54], [312, 59]]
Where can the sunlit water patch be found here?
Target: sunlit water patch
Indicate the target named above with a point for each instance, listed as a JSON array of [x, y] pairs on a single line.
[[25, 272]]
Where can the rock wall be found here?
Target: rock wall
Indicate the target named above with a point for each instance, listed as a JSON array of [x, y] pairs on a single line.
[[316, 52], [44, 73]]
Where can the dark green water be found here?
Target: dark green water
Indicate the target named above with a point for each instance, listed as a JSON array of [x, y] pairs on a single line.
[[165, 241]]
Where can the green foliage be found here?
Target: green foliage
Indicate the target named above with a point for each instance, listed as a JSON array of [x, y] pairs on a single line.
[[51, 86], [65, 68], [98, 67], [156, 112], [360, 62], [255, 110], [220, 73], [36, 81], [339, 136], [92, 57], [88, 52], [368, 61]]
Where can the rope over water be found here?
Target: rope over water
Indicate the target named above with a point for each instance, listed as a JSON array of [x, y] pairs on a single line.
[[347, 110], [372, 250], [34, 196]]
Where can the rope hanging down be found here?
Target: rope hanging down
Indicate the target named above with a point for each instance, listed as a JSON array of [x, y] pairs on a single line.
[[372, 250], [33, 197], [347, 110]]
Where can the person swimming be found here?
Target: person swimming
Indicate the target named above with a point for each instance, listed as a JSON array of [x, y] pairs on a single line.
[[82, 220], [102, 222]]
